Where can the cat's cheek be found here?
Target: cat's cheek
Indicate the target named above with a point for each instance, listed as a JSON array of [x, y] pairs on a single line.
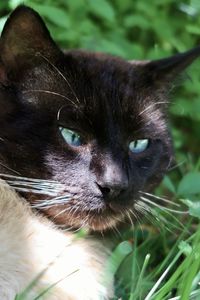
[[156, 156]]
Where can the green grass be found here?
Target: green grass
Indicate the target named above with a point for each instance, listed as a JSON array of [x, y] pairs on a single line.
[[145, 270]]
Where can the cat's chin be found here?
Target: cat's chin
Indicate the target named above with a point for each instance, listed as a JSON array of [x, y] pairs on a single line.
[[102, 224], [95, 220]]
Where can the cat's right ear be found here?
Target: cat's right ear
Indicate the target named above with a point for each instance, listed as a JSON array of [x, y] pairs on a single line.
[[23, 39], [163, 72]]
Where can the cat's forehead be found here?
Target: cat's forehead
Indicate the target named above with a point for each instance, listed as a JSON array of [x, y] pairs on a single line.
[[102, 91], [101, 70], [85, 80], [101, 80], [105, 80], [98, 80], [91, 90]]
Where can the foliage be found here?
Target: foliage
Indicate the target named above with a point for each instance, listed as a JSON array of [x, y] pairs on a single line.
[[143, 29]]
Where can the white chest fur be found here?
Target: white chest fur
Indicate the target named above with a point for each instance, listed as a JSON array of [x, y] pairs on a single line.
[[29, 243]]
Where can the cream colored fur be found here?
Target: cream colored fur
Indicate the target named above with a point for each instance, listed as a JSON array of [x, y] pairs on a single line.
[[29, 243]]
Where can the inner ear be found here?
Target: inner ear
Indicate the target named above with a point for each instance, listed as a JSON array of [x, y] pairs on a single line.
[[23, 37]]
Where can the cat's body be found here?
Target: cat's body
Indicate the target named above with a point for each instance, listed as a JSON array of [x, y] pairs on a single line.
[[82, 136], [30, 244]]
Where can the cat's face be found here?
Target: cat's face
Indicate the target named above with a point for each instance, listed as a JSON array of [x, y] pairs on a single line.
[[91, 125]]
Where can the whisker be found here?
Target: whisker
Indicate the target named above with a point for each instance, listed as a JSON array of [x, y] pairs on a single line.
[[152, 105], [160, 198], [27, 178], [117, 231], [34, 191], [151, 212], [42, 204], [177, 165], [148, 215], [10, 169], [60, 213], [156, 219], [138, 220], [169, 213], [163, 207], [59, 112], [36, 185], [32, 185], [129, 217], [51, 93], [60, 73]]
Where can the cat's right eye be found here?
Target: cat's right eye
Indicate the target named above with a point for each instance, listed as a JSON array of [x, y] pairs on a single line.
[[139, 146], [71, 137]]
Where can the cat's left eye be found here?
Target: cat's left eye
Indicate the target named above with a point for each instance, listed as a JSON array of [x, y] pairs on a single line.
[[71, 137], [138, 146]]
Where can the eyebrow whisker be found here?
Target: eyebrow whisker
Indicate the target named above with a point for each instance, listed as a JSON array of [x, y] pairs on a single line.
[[60, 73], [51, 93]]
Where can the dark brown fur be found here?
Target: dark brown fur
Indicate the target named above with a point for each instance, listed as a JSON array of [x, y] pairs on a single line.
[[107, 100]]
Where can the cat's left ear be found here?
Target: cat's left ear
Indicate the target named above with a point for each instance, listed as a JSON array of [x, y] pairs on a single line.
[[24, 37], [166, 70]]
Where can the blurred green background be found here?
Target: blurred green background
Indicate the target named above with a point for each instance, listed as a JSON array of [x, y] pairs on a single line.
[[142, 29]]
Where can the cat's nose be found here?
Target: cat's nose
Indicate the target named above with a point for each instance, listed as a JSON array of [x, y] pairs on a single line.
[[113, 183], [110, 190]]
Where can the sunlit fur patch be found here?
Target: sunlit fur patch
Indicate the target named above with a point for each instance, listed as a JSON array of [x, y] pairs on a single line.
[[32, 247]]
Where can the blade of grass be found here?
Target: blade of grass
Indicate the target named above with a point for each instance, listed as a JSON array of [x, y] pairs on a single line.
[[27, 290], [134, 265], [155, 287], [192, 268], [52, 285], [170, 254], [141, 276]]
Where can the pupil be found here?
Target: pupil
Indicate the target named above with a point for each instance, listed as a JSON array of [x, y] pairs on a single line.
[[73, 137]]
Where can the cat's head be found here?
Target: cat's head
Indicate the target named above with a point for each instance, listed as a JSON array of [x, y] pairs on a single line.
[[83, 133]]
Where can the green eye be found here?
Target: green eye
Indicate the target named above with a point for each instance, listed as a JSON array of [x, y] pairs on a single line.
[[71, 137], [139, 146]]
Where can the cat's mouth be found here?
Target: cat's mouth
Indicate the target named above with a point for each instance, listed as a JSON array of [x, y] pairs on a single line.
[[65, 209], [97, 219], [90, 212]]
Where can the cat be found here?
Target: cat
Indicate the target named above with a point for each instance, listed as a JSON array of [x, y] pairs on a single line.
[[82, 136]]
